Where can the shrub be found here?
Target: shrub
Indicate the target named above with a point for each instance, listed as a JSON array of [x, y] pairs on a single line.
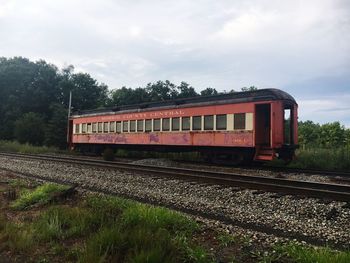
[[108, 154], [30, 128]]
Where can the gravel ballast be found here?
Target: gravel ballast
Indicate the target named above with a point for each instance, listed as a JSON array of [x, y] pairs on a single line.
[[304, 217]]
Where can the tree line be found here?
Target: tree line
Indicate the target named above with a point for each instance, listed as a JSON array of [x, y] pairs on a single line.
[[34, 101], [327, 136]]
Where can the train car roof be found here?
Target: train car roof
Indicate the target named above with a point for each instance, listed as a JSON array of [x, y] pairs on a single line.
[[227, 98]]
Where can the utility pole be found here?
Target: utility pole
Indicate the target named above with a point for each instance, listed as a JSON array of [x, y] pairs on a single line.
[[68, 117]]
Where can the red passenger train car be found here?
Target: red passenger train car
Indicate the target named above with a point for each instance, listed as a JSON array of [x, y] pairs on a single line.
[[256, 125]]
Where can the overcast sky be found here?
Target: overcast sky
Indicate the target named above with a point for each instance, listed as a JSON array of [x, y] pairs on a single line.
[[302, 47]]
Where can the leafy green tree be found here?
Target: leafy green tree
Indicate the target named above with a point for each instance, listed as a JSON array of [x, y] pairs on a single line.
[[56, 128], [125, 96], [332, 135], [309, 133], [251, 88], [209, 91], [185, 91], [16, 74], [27, 86], [161, 90], [30, 128]]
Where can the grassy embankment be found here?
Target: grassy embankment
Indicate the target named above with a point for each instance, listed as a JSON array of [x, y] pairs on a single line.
[[95, 228]]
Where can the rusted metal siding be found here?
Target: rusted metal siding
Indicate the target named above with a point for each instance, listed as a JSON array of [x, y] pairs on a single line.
[[228, 139]]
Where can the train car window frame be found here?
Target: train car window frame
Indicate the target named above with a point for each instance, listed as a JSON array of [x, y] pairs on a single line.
[[197, 123], [166, 124], [156, 124], [125, 126], [100, 127], [148, 125], [89, 128], [76, 129], [140, 124], [221, 122], [112, 126], [186, 123], [175, 124], [239, 121], [132, 126], [118, 127], [208, 122], [105, 127], [84, 128], [94, 127]]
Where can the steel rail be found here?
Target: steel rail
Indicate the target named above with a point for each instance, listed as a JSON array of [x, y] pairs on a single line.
[[293, 187], [304, 170]]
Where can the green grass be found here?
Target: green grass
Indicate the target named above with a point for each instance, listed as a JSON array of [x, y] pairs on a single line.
[[113, 230], [141, 233], [330, 159], [303, 254], [14, 146], [41, 195], [227, 239], [16, 236], [60, 222], [156, 217]]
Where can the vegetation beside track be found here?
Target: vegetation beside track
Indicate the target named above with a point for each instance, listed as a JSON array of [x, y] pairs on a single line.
[[318, 158], [97, 228], [14, 146]]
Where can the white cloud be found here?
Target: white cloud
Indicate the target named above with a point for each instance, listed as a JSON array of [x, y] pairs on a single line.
[[326, 109]]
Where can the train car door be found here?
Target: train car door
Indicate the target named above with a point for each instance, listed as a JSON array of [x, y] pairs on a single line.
[[263, 125]]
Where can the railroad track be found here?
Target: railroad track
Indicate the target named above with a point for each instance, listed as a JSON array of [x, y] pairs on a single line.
[[285, 186], [306, 171]]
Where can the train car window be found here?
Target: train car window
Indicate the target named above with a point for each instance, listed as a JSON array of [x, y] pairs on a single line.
[[140, 125], [166, 124], [221, 122], [132, 126], [186, 124], [84, 128], [287, 126], [196, 123], [119, 127], [94, 127], [148, 125], [239, 121], [100, 127], [156, 125], [209, 122], [175, 124], [89, 128], [105, 126], [76, 128], [125, 126], [112, 126]]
